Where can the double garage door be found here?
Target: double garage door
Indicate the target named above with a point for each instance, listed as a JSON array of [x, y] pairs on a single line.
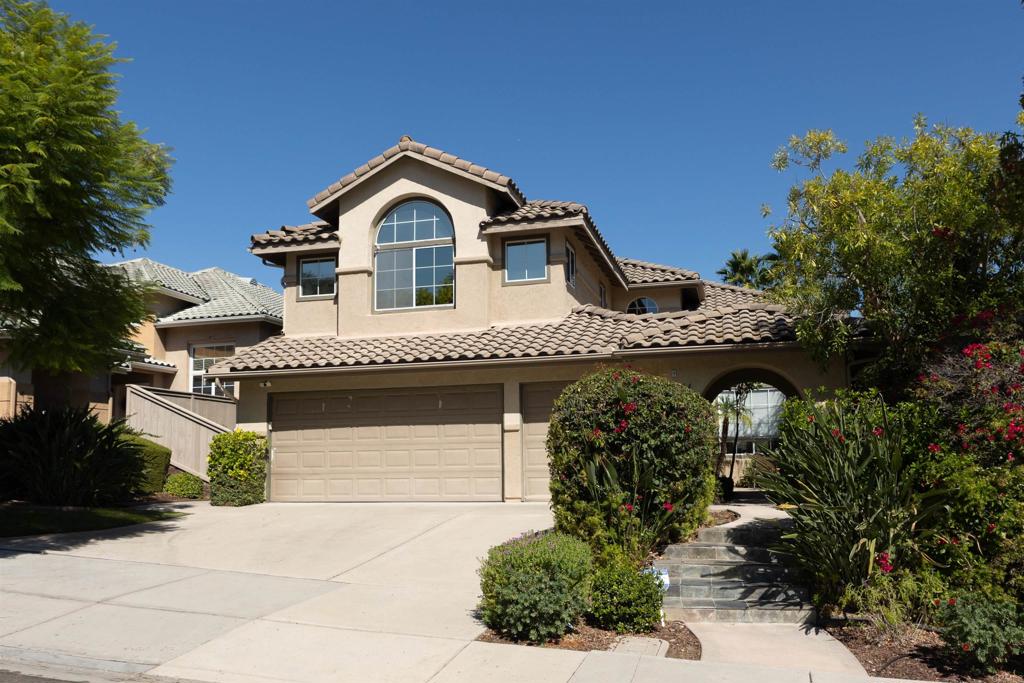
[[438, 443]]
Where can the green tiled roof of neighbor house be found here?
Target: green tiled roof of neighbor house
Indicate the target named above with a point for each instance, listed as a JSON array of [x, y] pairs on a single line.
[[222, 295]]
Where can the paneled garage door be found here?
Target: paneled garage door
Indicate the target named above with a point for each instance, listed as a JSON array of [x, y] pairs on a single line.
[[536, 403], [387, 445]]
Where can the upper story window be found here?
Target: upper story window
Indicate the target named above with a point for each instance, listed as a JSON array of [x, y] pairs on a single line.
[[570, 265], [414, 264], [526, 260], [316, 277], [602, 295], [204, 356], [642, 305]]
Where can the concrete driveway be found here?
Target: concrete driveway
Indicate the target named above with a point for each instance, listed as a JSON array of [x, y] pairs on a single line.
[[360, 592]]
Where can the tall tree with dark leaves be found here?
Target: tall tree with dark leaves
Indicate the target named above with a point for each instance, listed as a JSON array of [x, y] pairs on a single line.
[[75, 181]]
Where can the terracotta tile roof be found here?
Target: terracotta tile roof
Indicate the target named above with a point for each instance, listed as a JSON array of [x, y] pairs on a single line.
[[537, 209], [550, 209], [307, 233], [642, 272], [222, 294], [717, 295], [407, 145], [587, 330]]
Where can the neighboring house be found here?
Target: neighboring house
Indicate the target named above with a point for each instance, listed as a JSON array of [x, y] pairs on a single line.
[[433, 313], [199, 318]]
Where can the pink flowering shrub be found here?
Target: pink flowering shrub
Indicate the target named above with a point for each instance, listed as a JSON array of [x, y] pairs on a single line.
[[630, 458]]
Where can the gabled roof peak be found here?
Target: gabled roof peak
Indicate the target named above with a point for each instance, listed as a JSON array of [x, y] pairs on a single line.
[[407, 146]]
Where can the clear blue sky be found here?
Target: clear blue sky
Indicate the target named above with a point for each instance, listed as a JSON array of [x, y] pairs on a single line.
[[662, 117]]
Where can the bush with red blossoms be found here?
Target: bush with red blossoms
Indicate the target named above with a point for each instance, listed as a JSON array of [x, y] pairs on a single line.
[[977, 395], [630, 458]]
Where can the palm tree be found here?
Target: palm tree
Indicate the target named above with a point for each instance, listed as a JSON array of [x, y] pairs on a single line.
[[730, 407], [749, 270]]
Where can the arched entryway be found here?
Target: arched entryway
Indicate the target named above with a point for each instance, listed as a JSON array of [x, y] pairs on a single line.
[[749, 403]]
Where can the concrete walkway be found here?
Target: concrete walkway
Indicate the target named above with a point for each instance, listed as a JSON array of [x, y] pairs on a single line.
[[305, 592]]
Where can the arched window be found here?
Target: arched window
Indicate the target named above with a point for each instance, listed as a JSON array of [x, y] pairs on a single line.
[[414, 263], [642, 305]]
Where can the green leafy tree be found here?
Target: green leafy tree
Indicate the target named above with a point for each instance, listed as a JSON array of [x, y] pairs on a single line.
[[749, 270], [916, 239], [75, 181]]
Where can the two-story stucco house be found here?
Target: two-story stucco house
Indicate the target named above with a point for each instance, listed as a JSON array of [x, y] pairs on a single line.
[[431, 315]]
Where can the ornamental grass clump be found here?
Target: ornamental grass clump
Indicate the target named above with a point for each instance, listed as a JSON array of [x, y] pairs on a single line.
[[631, 461], [535, 587]]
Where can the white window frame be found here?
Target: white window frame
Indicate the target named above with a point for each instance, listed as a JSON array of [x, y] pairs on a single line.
[[334, 281], [570, 265], [602, 295], [657, 308], [228, 386], [432, 244], [530, 240]]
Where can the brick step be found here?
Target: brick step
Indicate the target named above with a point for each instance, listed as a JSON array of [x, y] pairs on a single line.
[[757, 572], [738, 611], [736, 590], [720, 551]]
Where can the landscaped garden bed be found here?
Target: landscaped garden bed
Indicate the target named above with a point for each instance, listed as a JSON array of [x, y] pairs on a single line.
[[682, 644], [631, 459], [911, 653]]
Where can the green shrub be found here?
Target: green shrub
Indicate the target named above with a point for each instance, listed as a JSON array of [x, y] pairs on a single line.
[[184, 485], [631, 461], [238, 468], [845, 468], [983, 631], [895, 599], [535, 587], [978, 395], [157, 460], [66, 456], [624, 598]]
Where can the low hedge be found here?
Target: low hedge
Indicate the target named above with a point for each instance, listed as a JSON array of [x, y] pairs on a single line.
[[184, 485], [158, 458], [238, 468], [625, 599], [535, 587]]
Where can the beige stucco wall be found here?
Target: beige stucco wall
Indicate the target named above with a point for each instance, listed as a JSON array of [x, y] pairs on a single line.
[[482, 297], [307, 316], [178, 340], [668, 298], [15, 386], [697, 369]]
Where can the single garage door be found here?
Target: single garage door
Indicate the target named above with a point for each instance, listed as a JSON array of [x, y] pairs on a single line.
[[536, 403], [387, 445]]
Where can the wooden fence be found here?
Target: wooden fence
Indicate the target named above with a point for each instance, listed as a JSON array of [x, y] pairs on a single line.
[[182, 422]]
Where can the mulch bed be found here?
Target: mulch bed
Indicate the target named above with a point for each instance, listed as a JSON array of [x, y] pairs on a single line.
[[913, 654], [682, 644]]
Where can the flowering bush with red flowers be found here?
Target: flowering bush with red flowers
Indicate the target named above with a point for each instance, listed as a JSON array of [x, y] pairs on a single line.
[[630, 458], [984, 631], [977, 395]]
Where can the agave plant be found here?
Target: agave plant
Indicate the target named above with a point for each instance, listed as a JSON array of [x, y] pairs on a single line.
[[847, 486]]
